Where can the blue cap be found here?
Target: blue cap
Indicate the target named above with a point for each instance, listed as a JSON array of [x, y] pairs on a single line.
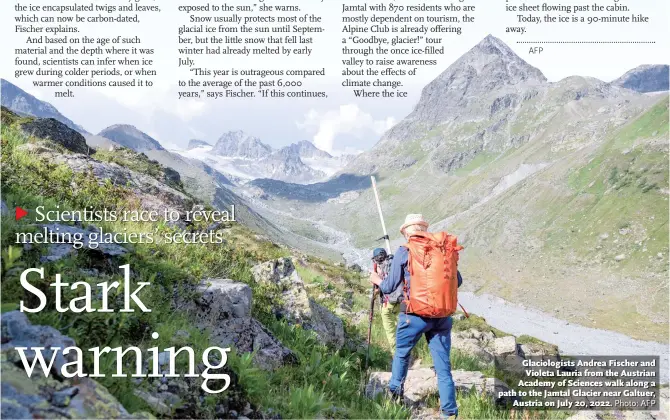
[[379, 253]]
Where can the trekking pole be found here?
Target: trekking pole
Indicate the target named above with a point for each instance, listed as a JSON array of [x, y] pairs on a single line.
[[371, 317], [374, 288], [381, 217]]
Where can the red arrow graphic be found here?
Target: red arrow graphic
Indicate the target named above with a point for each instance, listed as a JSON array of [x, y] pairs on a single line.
[[20, 213]]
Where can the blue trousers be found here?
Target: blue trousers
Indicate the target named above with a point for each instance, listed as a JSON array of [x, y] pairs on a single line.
[[438, 335]]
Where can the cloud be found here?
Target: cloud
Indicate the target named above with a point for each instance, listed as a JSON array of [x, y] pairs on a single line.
[[147, 102], [186, 110], [348, 120]]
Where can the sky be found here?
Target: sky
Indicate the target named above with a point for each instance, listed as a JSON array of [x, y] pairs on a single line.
[[341, 122]]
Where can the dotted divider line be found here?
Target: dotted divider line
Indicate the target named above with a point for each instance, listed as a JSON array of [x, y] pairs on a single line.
[[586, 42]]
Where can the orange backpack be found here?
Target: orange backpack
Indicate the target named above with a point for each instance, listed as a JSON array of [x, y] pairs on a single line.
[[433, 269]]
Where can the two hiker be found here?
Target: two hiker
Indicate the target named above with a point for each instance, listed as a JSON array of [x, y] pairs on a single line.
[[426, 270]]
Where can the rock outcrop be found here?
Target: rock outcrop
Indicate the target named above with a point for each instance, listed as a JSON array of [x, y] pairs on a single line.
[[297, 307], [56, 131], [503, 352], [421, 383], [52, 396], [149, 192], [224, 308], [66, 242]]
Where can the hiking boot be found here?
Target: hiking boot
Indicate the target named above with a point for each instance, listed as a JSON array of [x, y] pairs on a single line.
[[394, 396]]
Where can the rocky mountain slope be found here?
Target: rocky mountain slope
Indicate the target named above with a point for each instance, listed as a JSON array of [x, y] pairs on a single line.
[[646, 78], [130, 137], [241, 145], [306, 149], [247, 158], [24, 103], [555, 189]]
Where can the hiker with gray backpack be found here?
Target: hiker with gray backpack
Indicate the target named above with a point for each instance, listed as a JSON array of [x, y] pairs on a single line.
[[390, 301], [426, 269]]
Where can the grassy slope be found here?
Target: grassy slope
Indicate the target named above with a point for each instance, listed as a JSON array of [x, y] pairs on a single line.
[[323, 383], [575, 218]]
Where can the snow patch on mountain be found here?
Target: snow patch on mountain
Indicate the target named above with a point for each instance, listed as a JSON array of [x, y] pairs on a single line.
[[247, 158]]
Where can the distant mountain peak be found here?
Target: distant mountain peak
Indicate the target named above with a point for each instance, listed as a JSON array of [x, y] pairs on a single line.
[[23, 103], [645, 78], [489, 68], [129, 136], [240, 144], [286, 164], [493, 45], [195, 143], [491, 56], [307, 149]]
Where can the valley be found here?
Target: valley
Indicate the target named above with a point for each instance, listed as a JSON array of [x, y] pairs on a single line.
[[558, 191]]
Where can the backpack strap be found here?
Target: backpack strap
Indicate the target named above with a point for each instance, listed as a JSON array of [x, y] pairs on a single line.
[[405, 290]]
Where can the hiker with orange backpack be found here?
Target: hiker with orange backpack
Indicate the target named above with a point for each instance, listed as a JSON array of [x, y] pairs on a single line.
[[430, 261]]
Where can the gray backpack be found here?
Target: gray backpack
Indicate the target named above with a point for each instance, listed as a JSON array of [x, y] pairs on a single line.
[[398, 294]]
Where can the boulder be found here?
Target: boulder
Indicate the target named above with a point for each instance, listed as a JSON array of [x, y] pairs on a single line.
[[503, 346], [280, 272], [17, 331], [224, 298], [506, 353], [422, 383], [510, 363], [56, 131], [224, 307], [544, 351], [326, 325], [297, 307], [52, 396], [472, 347], [157, 404], [248, 335], [66, 246]]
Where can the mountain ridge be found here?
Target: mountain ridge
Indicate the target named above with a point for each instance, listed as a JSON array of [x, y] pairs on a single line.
[[239, 144], [23, 103], [194, 143], [646, 78], [129, 136]]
